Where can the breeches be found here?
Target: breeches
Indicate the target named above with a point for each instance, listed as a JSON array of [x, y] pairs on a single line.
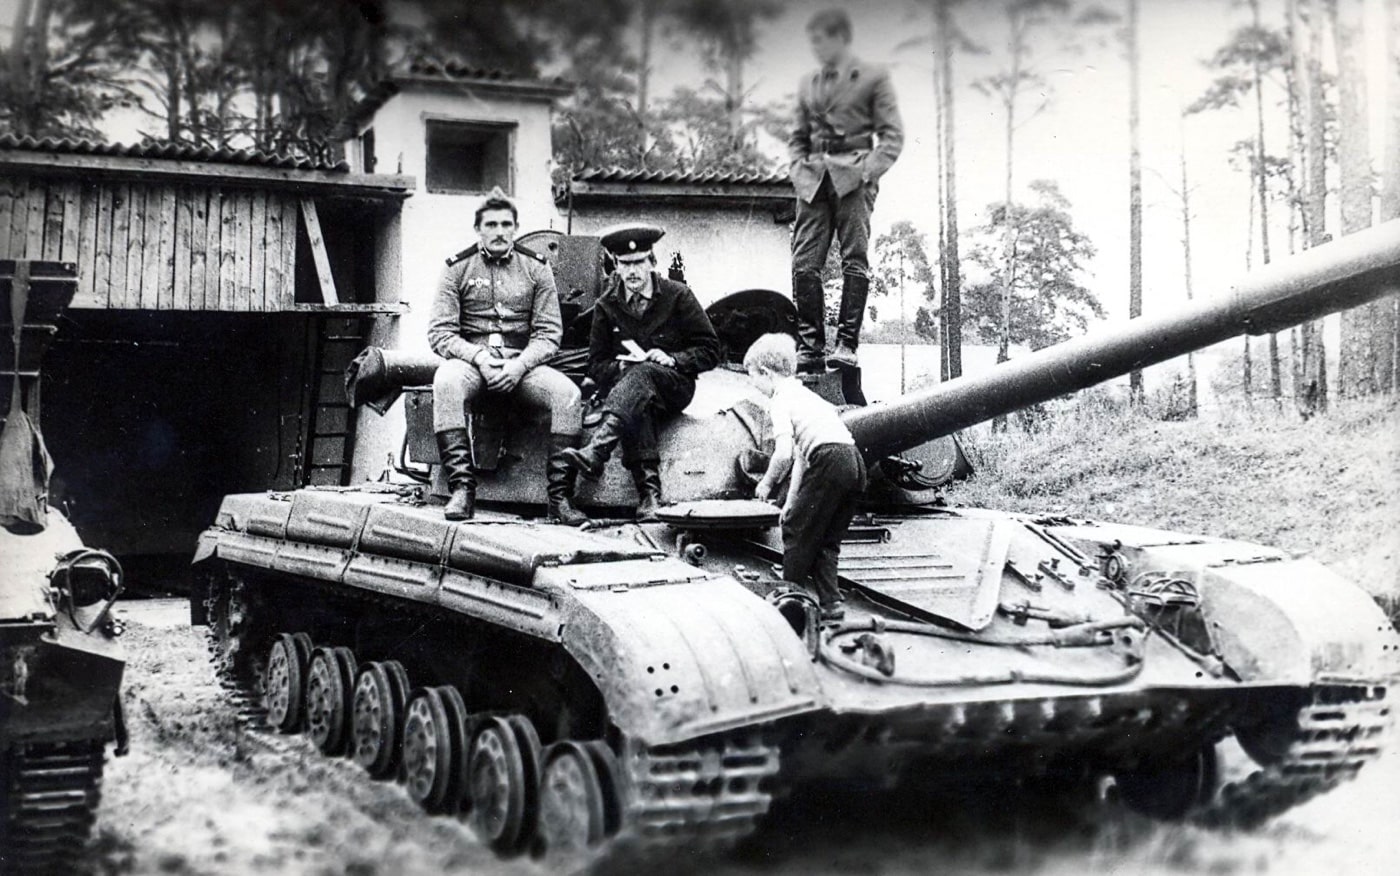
[[644, 396], [458, 382], [820, 513], [848, 217]]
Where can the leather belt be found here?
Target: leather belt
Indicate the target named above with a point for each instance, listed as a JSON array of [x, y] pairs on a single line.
[[838, 145]]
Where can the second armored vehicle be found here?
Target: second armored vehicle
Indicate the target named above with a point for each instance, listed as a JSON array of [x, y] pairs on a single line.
[[60, 664]]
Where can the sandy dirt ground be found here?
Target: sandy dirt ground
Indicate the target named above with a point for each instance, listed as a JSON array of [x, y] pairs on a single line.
[[197, 794]]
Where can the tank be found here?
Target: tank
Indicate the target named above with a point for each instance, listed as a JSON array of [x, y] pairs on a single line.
[[60, 661], [648, 689]]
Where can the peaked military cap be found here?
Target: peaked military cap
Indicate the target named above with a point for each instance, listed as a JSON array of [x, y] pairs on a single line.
[[631, 238]]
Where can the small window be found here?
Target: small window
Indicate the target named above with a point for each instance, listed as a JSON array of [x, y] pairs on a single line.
[[468, 158]]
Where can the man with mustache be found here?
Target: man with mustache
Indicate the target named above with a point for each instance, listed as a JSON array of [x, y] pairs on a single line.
[[496, 321]]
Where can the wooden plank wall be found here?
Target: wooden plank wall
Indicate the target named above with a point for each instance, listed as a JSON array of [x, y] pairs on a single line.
[[157, 246]]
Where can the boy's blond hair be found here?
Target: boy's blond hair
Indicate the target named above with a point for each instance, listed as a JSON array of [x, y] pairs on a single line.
[[774, 353]]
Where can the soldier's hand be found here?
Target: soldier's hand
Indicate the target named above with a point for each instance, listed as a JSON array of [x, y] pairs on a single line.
[[507, 376], [493, 373], [661, 357], [763, 492]]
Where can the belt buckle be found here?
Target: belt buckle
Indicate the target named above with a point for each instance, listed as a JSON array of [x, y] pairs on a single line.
[[496, 342]]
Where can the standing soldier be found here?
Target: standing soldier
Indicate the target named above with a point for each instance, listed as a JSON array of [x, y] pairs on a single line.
[[649, 340], [846, 134], [496, 321]]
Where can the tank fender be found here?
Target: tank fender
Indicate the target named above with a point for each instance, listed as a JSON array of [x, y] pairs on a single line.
[[1296, 621], [690, 658]]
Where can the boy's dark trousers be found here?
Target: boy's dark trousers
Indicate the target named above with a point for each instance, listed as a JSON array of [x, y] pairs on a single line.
[[818, 517]]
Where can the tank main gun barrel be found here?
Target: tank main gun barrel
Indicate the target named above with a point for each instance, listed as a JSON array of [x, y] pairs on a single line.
[[1345, 273]]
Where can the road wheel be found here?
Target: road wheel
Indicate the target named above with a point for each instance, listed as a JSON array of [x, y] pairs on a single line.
[[328, 696], [573, 816], [284, 688], [427, 750], [376, 721], [499, 796]]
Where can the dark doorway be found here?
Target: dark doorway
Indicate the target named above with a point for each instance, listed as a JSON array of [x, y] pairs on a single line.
[[152, 417]]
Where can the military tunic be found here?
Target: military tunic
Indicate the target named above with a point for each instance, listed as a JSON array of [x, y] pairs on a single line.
[[513, 297], [646, 394], [845, 135]]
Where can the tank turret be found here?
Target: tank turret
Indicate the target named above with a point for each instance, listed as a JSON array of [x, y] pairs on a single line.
[[646, 689], [60, 663]]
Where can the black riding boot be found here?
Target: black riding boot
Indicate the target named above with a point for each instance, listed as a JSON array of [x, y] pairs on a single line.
[[591, 458], [560, 482], [455, 450], [647, 478], [809, 297], [854, 291]]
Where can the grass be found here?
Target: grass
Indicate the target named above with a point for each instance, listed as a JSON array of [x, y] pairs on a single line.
[[1326, 486]]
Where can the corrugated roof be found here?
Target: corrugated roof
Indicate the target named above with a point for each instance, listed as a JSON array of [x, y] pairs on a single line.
[[171, 151], [712, 177]]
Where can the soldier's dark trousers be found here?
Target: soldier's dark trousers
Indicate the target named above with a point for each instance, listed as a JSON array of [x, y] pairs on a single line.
[[645, 396], [817, 520], [848, 218]]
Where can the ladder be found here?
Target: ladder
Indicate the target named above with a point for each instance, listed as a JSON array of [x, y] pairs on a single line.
[[328, 444]]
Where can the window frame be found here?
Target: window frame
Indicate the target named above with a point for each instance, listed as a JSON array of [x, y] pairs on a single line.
[[493, 129]]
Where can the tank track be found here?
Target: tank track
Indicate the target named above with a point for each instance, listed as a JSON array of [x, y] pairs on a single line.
[[50, 802], [700, 797], [229, 622], [1337, 733]]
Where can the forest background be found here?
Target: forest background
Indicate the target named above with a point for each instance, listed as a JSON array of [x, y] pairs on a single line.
[[1065, 162]]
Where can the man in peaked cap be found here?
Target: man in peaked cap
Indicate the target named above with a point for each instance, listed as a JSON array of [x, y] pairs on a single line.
[[650, 338], [846, 134], [496, 321]]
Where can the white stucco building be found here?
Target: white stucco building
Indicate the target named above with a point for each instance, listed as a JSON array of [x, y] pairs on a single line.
[[731, 230]]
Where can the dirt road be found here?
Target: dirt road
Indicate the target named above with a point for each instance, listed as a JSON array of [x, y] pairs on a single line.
[[199, 795]]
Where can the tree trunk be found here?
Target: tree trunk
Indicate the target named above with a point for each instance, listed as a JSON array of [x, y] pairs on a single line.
[[648, 22], [952, 269], [1249, 266], [19, 38], [734, 98], [1275, 385], [1135, 392], [1390, 164], [936, 50], [1008, 269], [1191, 401], [29, 62], [1312, 389], [1357, 369]]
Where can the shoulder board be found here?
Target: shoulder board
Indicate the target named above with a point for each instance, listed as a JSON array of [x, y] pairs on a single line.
[[526, 251], [464, 254]]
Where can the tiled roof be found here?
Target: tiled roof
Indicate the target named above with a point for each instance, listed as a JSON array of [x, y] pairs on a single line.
[[173, 151], [452, 69], [621, 175], [447, 73]]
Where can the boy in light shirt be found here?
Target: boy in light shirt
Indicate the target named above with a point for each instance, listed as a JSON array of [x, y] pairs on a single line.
[[828, 473]]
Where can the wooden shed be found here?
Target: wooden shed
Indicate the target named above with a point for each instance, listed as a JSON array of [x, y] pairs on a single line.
[[220, 294]]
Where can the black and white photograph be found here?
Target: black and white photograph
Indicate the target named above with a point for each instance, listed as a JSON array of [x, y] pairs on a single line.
[[740, 437]]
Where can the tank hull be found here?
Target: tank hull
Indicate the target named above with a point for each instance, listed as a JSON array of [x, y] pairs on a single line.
[[662, 643], [59, 706]]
